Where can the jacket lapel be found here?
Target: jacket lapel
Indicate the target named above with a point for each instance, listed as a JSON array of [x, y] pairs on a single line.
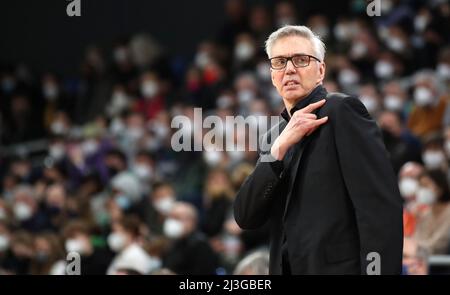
[[296, 160]]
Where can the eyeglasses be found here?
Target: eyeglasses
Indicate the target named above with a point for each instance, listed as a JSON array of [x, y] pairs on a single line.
[[298, 60]]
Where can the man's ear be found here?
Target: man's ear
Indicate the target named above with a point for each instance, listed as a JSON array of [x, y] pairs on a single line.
[[322, 69]]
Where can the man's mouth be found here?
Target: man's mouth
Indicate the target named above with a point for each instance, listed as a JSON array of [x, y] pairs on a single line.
[[291, 83]]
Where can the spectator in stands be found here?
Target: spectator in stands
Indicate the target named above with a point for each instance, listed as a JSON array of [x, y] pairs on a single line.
[[189, 252], [433, 225], [126, 241]]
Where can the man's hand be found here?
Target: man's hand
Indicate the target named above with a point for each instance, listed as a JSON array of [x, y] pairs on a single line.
[[302, 123]]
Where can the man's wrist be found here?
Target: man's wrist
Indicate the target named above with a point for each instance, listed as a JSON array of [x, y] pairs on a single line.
[[278, 150]]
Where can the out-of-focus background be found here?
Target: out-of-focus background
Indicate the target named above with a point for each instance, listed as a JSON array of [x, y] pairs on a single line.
[[86, 103]]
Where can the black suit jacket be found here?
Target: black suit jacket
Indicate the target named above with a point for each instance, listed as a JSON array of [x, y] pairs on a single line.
[[335, 202]]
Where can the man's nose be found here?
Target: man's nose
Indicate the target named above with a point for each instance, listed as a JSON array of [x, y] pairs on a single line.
[[290, 68]]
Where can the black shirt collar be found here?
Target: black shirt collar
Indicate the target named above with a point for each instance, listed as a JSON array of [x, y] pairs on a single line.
[[317, 94]]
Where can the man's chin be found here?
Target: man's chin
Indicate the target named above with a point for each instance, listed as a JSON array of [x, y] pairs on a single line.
[[294, 96]]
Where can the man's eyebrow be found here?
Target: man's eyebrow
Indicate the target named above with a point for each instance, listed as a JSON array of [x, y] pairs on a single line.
[[301, 53]]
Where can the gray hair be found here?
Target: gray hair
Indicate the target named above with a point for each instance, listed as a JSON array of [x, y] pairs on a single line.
[[302, 31]]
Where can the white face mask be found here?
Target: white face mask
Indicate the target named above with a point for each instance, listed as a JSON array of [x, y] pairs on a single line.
[[322, 31], [433, 159], [120, 55], [143, 171], [408, 187], [50, 92], [423, 96], [384, 69], [149, 89], [75, 245], [57, 151], [22, 211], [117, 127], [245, 96], [386, 6], [359, 49], [119, 100], [443, 71], [161, 130], [425, 196], [89, 147], [395, 44], [165, 204], [263, 71], [370, 103], [116, 241], [58, 128], [123, 201], [154, 263], [244, 51], [393, 103], [342, 32], [348, 77], [173, 228], [202, 59], [224, 102], [135, 133], [212, 158], [4, 243], [420, 23]]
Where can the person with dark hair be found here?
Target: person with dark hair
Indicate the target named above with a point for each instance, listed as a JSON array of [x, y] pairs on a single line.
[[127, 241], [433, 220], [78, 238]]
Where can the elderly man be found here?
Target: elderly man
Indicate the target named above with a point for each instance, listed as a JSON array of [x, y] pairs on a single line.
[[326, 184]]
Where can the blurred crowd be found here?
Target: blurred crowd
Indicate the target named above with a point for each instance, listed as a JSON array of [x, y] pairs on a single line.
[[86, 163]]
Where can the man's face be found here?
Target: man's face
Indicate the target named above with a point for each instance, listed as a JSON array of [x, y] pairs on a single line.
[[294, 83]]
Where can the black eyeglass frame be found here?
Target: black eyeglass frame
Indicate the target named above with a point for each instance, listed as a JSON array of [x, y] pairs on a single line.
[[290, 59]]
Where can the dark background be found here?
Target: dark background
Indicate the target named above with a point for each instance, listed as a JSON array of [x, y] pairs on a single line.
[[40, 34]]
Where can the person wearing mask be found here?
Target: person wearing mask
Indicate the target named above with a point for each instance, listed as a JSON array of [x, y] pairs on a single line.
[[428, 114], [409, 185], [433, 155], [189, 252], [48, 256], [126, 241], [157, 206], [26, 210], [433, 224], [78, 238]]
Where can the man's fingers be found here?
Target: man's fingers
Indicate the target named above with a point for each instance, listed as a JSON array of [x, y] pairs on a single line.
[[316, 124], [313, 106], [310, 116]]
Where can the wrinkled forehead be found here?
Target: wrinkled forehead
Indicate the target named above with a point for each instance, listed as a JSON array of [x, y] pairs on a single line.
[[290, 45]]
